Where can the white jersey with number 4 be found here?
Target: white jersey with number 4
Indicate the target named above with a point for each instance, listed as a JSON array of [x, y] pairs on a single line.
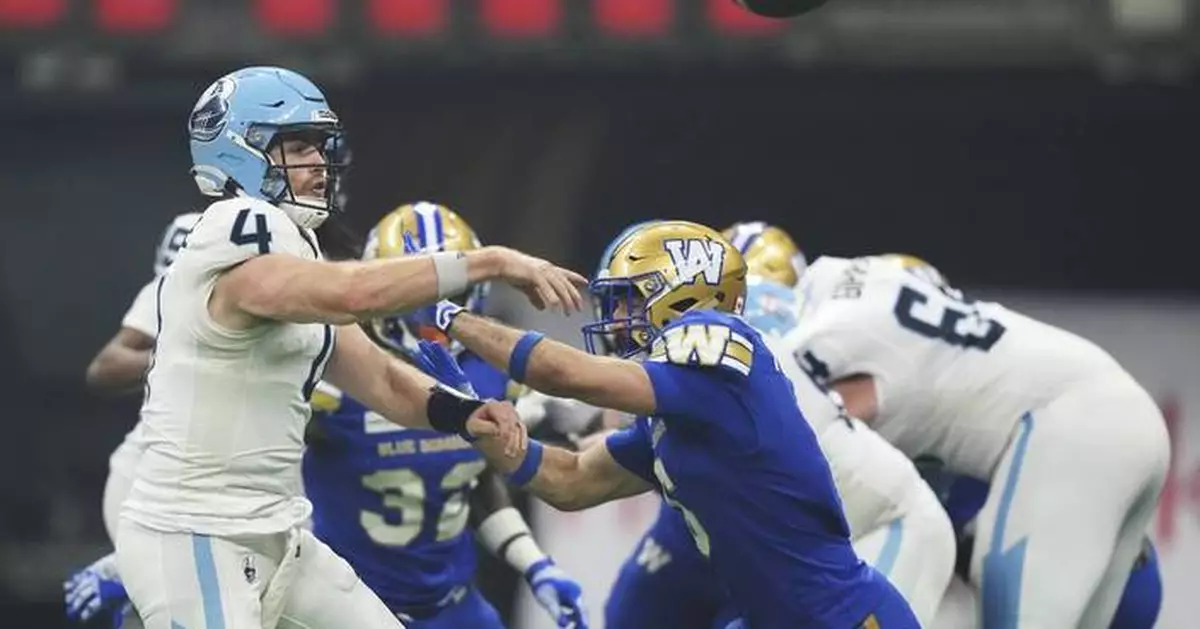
[[953, 376], [225, 410]]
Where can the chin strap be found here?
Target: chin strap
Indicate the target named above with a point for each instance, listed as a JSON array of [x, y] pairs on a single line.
[[305, 216]]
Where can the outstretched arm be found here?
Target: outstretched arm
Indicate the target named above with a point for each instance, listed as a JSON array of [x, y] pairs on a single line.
[[568, 481], [559, 369], [408, 397], [288, 288]]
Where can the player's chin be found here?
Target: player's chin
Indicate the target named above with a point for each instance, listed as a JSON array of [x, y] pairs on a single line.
[[780, 8]]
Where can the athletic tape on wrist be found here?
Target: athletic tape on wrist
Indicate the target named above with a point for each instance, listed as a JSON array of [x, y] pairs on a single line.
[[451, 269]]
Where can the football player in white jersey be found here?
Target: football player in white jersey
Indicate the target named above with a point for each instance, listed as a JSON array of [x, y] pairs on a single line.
[[897, 524], [119, 367], [1074, 449], [210, 533]]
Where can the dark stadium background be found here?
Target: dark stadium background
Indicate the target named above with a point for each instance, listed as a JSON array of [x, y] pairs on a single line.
[[1055, 161]]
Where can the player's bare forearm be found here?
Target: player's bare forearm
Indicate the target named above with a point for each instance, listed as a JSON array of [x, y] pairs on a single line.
[[858, 396], [120, 367], [383, 287], [287, 288], [407, 397], [383, 383], [558, 369], [571, 481]]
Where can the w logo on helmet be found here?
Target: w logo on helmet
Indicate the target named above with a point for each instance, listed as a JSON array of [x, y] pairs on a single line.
[[212, 111], [696, 257]]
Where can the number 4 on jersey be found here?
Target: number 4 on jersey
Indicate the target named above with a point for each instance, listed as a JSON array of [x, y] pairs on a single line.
[[260, 236]]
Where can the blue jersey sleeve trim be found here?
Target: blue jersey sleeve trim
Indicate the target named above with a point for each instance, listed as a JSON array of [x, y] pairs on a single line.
[[632, 450]]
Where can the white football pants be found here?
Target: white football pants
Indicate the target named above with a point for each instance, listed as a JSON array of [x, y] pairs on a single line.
[[290, 581], [1069, 503], [915, 552]]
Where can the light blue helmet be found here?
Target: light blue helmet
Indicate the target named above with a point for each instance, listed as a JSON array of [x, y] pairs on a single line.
[[771, 307], [234, 124]]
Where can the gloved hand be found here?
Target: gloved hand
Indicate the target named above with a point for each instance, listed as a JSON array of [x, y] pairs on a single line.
[[439, 315], [435, 360], [95, 589], [558, 594]]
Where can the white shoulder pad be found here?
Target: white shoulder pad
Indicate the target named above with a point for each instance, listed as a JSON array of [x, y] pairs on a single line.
[[820, 282], [232, 231]]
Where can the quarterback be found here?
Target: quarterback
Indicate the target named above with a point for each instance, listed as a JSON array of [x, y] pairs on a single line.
[[249, 318]]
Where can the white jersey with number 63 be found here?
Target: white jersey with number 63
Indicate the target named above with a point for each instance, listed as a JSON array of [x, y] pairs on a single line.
[[225, 410], [953, 375]]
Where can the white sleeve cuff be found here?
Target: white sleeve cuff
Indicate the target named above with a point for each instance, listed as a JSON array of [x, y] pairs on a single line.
[[506, 535]]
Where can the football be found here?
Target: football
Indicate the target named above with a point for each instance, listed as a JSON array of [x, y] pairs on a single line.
[[780, 8]]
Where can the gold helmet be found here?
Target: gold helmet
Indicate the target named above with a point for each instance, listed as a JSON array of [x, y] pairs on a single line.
[[769, 251], [920, 268], [653, 274], [431, 228]]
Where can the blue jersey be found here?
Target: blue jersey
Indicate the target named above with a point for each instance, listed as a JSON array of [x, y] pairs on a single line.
[[731, 451], [394, 501], [665, 582]]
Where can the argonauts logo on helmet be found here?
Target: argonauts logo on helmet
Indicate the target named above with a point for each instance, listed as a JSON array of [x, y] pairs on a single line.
[[212, 111]]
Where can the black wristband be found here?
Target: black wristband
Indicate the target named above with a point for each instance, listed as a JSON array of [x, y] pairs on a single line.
[[448, 412]]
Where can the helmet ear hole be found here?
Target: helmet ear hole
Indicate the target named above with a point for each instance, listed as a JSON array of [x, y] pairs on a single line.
[[683, 305]]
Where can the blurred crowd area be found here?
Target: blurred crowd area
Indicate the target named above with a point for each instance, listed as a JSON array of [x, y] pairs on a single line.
[[1046, 147]]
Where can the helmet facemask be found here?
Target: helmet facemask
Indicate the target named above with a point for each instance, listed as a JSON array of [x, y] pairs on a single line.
[[308, 210], [414, 229], [623, 326]]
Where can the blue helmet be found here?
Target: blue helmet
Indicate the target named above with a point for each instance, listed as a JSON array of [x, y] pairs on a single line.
[[771, 307], [234, 124]]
